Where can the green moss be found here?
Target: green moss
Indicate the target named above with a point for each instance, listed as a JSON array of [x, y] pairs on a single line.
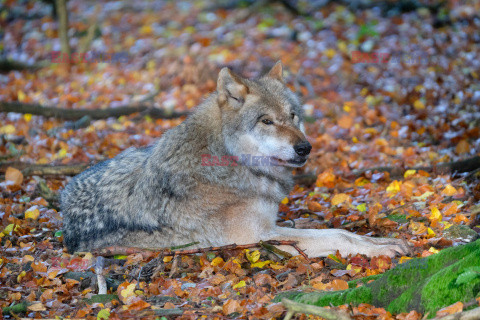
[[426, 284]]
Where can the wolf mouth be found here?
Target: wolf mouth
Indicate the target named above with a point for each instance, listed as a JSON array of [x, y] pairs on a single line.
[[298, 162]]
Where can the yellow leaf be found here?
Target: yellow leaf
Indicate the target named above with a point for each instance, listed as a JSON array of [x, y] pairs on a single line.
[[167, 259], [435, 214], [276, 266], [128, 291], [404, 259], [146, 30], [431, 232], [8, 129], [103, 314], [20, 276], [330, 53], [62, 153], [8, 229], [27, 117], [217, 261], [393, 187], [362, 207], [260, 264], [446, 225], [21, 96], [409, 173], [433, 250], [32, 213], [117, 126], [340, 198], [418, 105], [449, 190], [285, 201], [424, 196], [252, 257], [239, 285]]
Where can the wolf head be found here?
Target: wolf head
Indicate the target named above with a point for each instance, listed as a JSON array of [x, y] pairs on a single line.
[[262, 117]]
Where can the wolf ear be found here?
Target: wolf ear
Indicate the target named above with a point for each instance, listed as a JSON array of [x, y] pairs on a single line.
[[276, 72], [231, 88]]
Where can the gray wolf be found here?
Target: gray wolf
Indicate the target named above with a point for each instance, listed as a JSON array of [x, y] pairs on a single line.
[[162, 195]]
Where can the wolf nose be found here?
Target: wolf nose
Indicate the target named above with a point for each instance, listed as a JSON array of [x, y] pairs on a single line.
[[303, 148]]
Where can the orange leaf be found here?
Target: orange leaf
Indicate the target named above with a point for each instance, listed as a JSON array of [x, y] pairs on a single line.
[[139, 305], [451, 309], [339, 284], [13, 175], [449, 190], [326, 179], [345, 122]]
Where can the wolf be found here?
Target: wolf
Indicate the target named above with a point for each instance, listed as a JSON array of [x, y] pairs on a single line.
[[163, 195]]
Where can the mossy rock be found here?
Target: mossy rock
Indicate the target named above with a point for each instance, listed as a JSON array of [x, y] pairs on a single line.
[[423, 284]]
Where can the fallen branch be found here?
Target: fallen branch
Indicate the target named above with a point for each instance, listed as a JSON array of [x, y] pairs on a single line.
[[7, 65], [328, 314], [75, 114], [118, 250], [29, 169], [460, 166]]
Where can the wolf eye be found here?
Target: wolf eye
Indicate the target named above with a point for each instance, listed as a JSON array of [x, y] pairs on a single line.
[[267, 121]]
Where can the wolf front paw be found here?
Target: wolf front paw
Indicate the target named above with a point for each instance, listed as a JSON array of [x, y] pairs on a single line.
[[388, 247]]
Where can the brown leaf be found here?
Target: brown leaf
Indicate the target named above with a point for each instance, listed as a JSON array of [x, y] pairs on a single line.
[[462, 147], [231, 306]]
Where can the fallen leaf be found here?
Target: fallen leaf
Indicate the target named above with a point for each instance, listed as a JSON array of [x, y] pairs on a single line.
[[231, 306], [36, 307], [340, 198], [13, 175], [451, 309], [32, 213], [449, 190]]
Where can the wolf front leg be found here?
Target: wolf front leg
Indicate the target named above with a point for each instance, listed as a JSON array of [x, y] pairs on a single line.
[[322, 242]]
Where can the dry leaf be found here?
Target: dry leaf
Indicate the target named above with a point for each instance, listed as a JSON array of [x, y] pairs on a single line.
[[13, 175]]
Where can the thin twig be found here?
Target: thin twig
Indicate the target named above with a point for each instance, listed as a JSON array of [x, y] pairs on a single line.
[[114, 250], [275, 250]]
